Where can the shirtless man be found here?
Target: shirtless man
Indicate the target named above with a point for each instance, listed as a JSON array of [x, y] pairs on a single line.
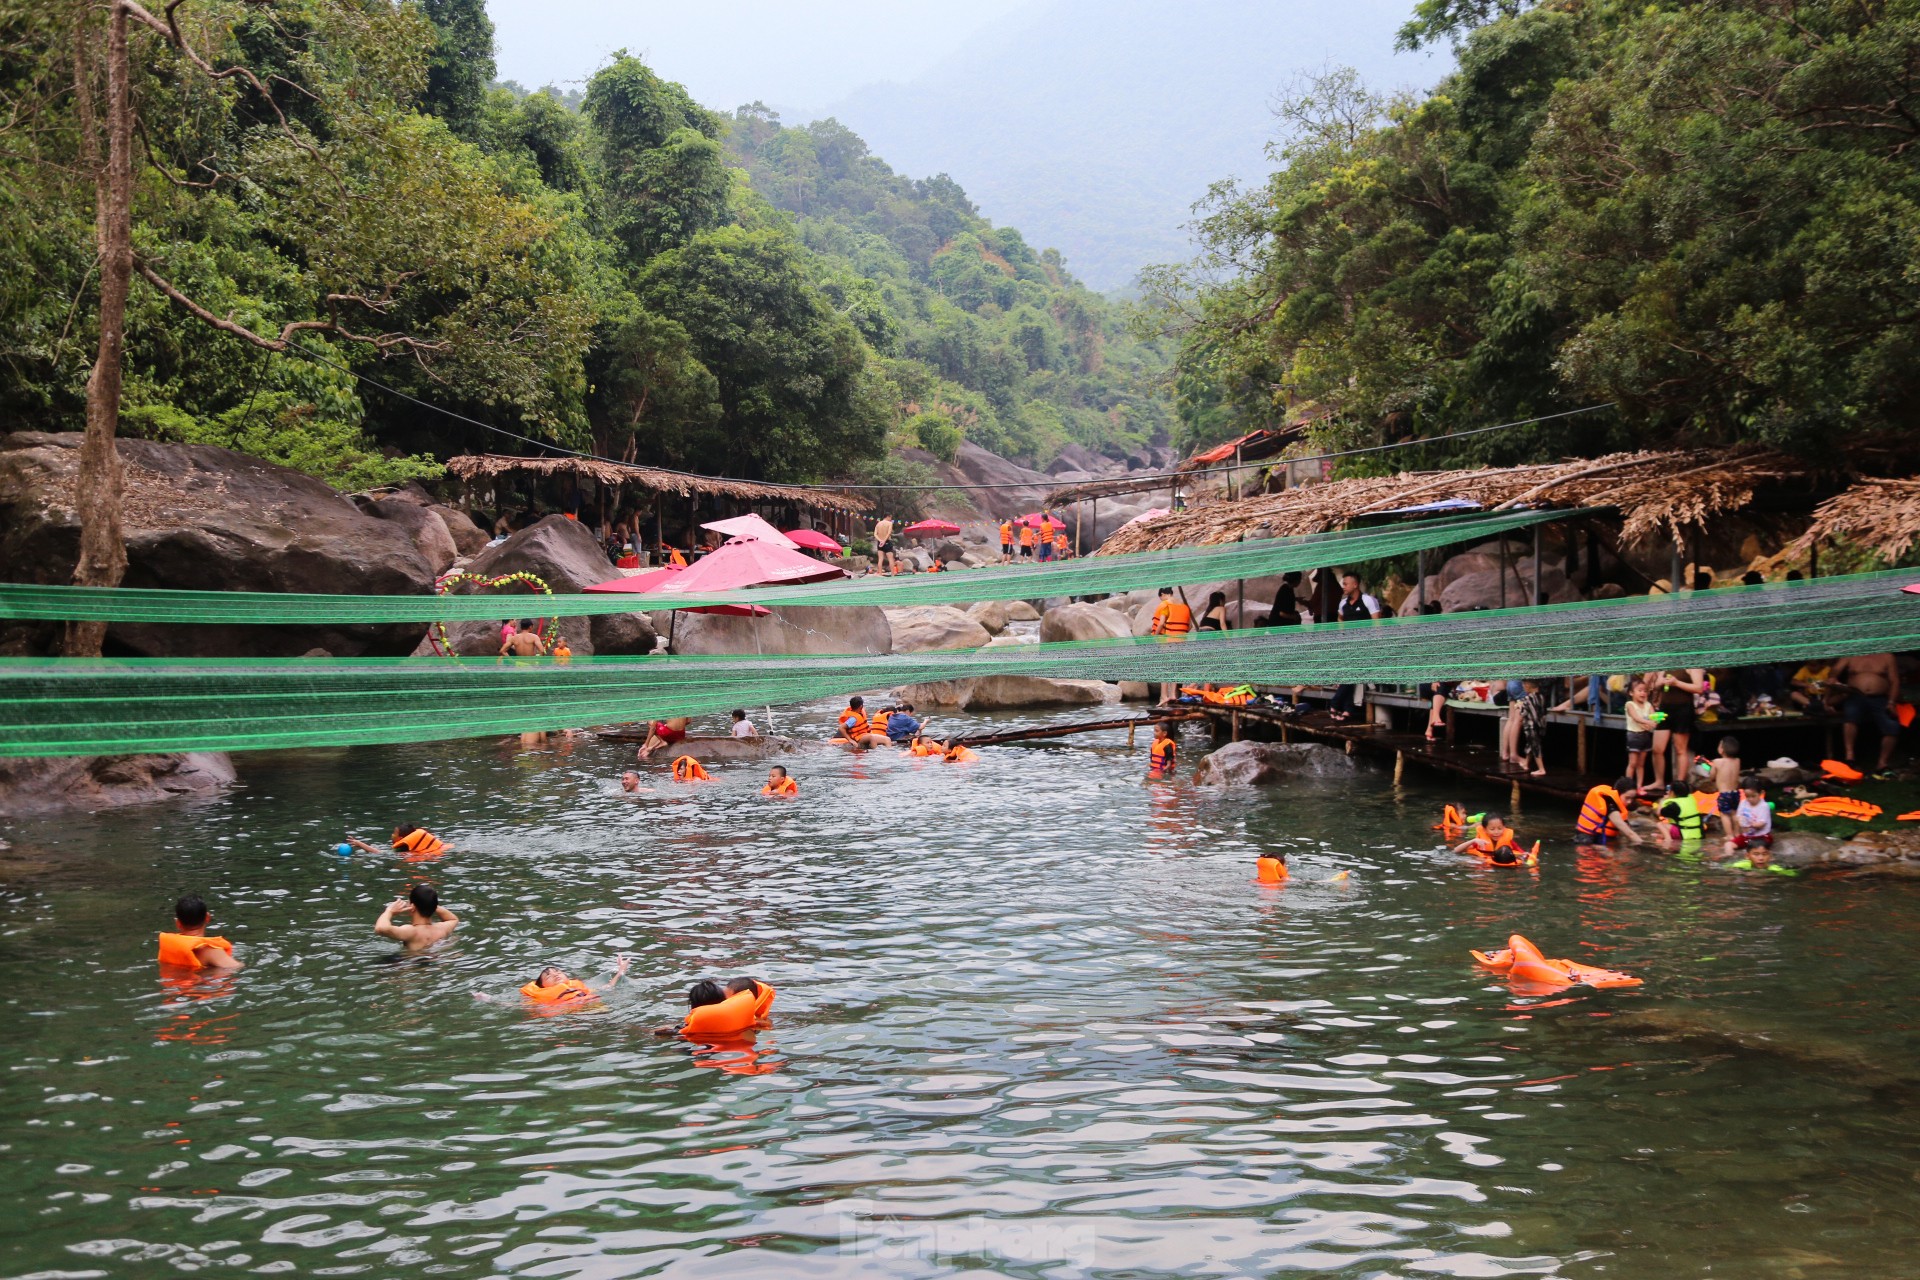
[[1873, 686], [524, 643], [428, 921]]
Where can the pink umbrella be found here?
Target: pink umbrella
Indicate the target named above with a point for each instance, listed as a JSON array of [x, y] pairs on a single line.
[[1143, 517], [656, 579], [1034, 518], [930, 528], [751, 527], [740, 563], [814, 540]]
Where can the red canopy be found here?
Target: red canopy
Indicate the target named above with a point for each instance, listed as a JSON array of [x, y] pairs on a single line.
[[1035, 517], [817, 541], [737, 564], [928, 528]]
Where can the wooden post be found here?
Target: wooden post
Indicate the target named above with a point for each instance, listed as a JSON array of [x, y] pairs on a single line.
[[1399, 766], [1813, 559], [1503, 571], [1233, 720], [1538, 598], [1581, 755], [1513, 801], [1129, 737], [1242, 587], [1678, 565], [1448, 713], [1420, 585]]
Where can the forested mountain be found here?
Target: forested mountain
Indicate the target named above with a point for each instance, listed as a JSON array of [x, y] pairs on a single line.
[[1093, 125], [1708, 215], [356, 207]]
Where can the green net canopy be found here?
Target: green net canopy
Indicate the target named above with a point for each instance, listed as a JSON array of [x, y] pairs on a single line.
[[83, 707], [1095, 575]]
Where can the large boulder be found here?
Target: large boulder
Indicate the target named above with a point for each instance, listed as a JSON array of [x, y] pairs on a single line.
[[90, 783], [1250, 764], [922, 628], [204, 518], [991, 614], [1020, 611], [990, 693], [622, 634], [1081, 621], [563, 553], [785, 629], [728, 750], [468, 538], [424, 527]]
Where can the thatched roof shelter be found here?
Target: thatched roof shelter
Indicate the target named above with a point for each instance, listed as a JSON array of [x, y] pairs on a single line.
[[1652, 490], [616, 475], [1881, 515]]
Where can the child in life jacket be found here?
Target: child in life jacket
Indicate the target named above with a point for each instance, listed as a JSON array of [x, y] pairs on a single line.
[[1494, 841], [1162, 753], [779, 784], [552, 986], [190, 946], [408, 837]]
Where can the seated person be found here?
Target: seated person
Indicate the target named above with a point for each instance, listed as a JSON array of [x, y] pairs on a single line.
[[902, 727], [427, 921], [743, 727], [190, 946], [664, 733]]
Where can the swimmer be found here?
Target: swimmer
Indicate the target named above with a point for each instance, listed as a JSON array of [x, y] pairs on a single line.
[[630, 782], [702, 993], [190, 946], [1494, 841], [524, 642], [552, 985], [1271, 868], [779, 784], [1163, 752], [408, 837], [429, 922]]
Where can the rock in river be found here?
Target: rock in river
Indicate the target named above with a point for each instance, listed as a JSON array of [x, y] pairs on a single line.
[[1251, 764]]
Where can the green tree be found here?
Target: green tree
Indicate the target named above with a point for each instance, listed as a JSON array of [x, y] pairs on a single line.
[[936, 433], [663, 168], [460, 65]]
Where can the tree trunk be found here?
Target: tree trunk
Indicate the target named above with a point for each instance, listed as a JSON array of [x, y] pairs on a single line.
[[97, 490]]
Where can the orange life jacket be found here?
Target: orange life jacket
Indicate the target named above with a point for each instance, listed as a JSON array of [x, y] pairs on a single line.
[[1836, 807], [877, 722], [1160, 755], [1270, 870], [1060, 538], [678, 559], [764, 1001], [853, 723], [1595, 811], [687, 769], [922, 749], [179, 948], [784, 787], [1006, 535], [1485, 844], [419, 840], [737, 1013], [1026, 535], [1840, 771], [961, 755], [559, 992], [1172, 618]]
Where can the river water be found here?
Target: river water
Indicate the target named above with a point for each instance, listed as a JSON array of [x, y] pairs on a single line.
[[1035, 1019]]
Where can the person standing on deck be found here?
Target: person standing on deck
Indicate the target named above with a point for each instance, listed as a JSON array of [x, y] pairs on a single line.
[[884, 559], [1873, 686], [1172, 620], [1355, 606]]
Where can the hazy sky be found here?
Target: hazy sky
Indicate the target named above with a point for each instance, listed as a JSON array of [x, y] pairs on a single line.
[[797, 54]]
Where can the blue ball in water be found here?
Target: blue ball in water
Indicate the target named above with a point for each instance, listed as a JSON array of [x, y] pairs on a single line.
[[344, 850]]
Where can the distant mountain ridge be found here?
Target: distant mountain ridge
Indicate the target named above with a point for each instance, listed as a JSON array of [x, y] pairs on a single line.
[[1094, 125]]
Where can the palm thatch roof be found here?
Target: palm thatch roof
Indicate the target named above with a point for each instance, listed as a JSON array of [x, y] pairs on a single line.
[[1881, 515], [491, 466], [1652, 490]]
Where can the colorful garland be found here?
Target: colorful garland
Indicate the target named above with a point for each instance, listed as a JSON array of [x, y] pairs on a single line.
[[443, 645]]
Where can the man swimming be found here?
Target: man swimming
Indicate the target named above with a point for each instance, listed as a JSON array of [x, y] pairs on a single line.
[[428, 922]]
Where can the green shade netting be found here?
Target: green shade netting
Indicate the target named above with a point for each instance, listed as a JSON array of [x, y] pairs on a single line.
[[84, 707], [1095, 575]]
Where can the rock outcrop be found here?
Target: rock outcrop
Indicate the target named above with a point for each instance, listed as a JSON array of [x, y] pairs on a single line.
[[1081, 621], [469, 539], [567, 557], [786, 629], [89, 783], [1252, 764], [990, 614], [717, 750], [990, 693], [924, 628], [204, 518], [425, 529]]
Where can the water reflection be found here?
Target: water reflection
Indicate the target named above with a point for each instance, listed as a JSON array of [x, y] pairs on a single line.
[[1035, 1019]]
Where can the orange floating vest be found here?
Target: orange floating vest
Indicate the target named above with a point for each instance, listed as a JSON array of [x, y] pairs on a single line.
[[559, 992], [1452, 821], [1006, 535], [687, 769], [784, 787], [1836, 807], [678, 559], [1160, 755], [1026, 535], [419, 840], [1172, 618], [877, 722], [1840, 771], [1595, 812], [1270, 871], [1523, 962], [737, 1013], [853, 723], [179, 948], [1484, 844], [957, 754]]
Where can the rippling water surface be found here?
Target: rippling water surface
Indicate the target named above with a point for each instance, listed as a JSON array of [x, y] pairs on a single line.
[[1034, 1020]]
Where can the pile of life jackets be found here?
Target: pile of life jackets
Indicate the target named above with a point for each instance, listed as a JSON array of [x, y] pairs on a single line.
[[1239, 696], [1836, 807]]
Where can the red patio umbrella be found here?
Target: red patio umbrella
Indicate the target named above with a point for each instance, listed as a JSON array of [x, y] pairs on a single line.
[[814, 540], [932, 528]]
